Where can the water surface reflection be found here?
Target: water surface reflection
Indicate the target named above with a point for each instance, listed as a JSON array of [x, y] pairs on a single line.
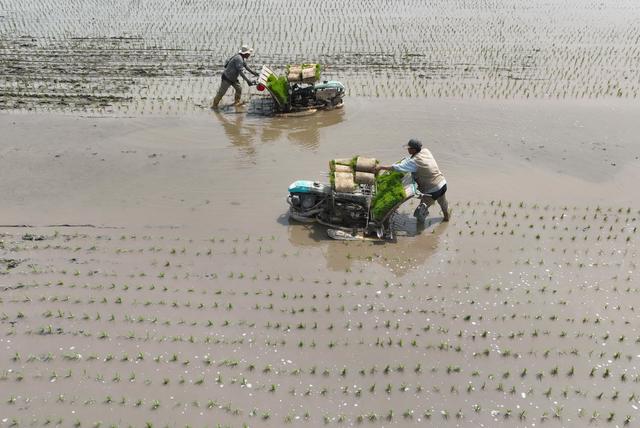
[[413, 247], [245, 131]]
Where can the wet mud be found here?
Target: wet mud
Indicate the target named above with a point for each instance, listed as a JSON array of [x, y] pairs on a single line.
[[512, 313], [150, 275]]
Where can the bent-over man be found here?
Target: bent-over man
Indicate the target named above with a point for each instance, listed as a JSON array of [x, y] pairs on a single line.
[[430, 180], [232, 69]]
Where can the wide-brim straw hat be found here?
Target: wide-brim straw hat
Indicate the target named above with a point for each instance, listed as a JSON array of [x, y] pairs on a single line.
[[245, 50]]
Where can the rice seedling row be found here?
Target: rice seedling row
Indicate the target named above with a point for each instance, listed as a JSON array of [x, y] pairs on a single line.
[[525, 314], [164, 58]]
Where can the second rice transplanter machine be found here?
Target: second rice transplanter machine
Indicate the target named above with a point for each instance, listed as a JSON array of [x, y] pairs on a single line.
[[300, 89]]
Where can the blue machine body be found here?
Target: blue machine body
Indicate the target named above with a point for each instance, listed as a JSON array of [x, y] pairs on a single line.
[[308, 186]]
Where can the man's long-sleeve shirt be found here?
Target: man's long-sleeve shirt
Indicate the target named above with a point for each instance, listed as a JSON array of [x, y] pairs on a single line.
[[409, 164], [405, 165], [234, 67]]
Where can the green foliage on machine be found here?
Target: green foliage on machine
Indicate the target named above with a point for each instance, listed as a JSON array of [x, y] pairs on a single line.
[[279, 87], [389, 192]]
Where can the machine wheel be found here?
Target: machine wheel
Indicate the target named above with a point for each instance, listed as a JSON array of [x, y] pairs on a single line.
[[301, 219]]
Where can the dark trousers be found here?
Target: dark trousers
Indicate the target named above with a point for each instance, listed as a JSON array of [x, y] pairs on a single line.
[[224, 87]]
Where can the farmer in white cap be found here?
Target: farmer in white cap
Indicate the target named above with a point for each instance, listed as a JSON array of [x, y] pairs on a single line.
[[428, 177], [232, 69]]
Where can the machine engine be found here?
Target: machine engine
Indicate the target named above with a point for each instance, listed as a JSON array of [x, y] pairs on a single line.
[[310, 201], [307, 199], [350, 210], [326, 94], [303, 96], [330, 93]]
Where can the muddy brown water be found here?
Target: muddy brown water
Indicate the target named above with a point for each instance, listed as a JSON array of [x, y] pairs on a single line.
[[149, 275], [199, 168], [183, 295]]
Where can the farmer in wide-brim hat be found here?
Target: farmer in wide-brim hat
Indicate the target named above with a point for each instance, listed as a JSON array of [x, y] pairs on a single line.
[[232, 69], [427, 176]]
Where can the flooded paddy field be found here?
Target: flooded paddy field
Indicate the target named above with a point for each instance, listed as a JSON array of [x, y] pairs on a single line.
[[149, 274], [165, 57]]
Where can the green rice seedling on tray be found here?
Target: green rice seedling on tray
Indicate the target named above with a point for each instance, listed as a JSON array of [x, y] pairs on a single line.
[[389, 192], [279, 87]]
